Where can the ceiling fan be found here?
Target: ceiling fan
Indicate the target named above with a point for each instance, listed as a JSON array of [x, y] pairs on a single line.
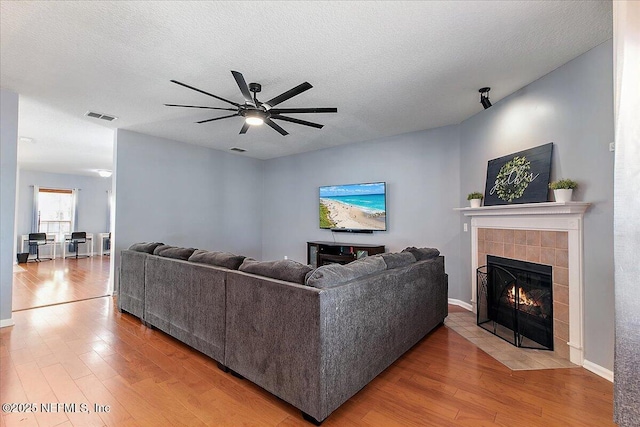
[[256, 112]]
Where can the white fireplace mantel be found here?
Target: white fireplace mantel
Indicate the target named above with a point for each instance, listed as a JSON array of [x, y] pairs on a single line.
[[547, 208], [548, 216]]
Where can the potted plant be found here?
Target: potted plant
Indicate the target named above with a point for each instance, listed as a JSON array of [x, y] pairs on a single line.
[[475, 199], [563, 189]]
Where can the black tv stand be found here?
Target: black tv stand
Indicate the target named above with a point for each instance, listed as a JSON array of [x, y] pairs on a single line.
[[321, 253]]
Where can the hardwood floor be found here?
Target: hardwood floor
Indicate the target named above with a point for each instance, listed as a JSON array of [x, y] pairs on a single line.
[[87, 353], [60, 280]]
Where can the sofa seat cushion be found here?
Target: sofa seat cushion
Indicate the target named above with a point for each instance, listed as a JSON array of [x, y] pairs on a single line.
[[286, 269], [329, 276], [176, 253], [219, 259], [423, 254], [397, 260], [145, 247]]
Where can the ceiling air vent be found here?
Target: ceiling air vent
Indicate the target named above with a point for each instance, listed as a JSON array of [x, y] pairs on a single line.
[[100, 116], [239, 150]]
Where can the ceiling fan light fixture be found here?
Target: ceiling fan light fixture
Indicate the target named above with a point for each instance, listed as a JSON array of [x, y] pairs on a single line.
[[254, 112], [254, 120]]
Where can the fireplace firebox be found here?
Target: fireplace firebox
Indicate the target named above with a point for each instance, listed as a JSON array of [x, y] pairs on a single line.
[[515, 302]]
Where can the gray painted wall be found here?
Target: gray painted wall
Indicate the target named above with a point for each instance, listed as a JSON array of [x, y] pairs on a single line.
[[573, 108], [185, 195], [421, 170], [93, 207], [8, 168]]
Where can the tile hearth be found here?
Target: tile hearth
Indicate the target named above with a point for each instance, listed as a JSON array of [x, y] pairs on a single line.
[[514, 358]]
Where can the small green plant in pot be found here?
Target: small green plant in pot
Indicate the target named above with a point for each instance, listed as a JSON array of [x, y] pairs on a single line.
[[563, 189], [475, 199]]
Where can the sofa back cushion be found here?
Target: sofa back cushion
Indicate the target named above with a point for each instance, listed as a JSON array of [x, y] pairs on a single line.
[[145, 247], [219, 259], [329, 276], [422, 254], [160, 248], [397, 260], [176, 253], [286, 269]]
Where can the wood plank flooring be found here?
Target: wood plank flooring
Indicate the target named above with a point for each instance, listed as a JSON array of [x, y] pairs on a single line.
[[87, 353], [60, 280]]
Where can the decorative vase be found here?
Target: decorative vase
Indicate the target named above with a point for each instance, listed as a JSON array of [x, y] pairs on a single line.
[[563, 195], [475, 203]]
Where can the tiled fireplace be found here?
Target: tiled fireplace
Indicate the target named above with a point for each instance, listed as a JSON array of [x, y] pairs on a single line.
[[542, 233], [541, 247]]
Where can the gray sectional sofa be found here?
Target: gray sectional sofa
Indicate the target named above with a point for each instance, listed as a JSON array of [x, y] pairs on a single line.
[[314, 339]]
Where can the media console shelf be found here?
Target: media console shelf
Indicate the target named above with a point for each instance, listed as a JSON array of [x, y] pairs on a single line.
[[320, 253]]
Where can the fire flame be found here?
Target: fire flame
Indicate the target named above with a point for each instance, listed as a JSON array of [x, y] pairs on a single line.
[[523, 299]]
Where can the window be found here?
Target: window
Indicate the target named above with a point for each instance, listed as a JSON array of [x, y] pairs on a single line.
[[55, 211]]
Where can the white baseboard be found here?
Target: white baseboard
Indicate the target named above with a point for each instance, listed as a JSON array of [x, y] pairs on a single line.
[[460, 303], [598, 370], [7, 322]]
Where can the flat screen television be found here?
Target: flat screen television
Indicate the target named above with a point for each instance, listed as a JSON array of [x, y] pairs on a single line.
[[354, 207]]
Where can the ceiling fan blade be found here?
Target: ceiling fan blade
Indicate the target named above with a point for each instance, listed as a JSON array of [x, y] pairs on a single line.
[[276, 127], [303, 110], [245, 128], [243, 87], [217, 118], [288, 94], [199, 106], [206, 93], [298, 121]]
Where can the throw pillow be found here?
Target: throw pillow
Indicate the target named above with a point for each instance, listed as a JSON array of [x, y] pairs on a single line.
[[286, 269], [396, 260], [329, 276], [177, 253], [219, 259], [422, 254], [145, 247]]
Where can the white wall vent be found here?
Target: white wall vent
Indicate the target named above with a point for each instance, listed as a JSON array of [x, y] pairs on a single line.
[[100, 116]]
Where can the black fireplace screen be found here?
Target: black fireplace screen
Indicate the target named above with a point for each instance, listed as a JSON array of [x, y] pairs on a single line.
[[515, 302]]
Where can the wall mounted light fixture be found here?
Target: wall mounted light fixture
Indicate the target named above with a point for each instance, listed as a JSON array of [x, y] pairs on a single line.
[[484, 97]]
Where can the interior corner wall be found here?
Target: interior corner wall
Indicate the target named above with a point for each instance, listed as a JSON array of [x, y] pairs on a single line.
[[185, 195], [93, 206], [8, 176], [421, 170], [572, 107]]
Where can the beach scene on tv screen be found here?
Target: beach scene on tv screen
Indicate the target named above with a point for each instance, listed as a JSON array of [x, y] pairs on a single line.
[[354, 207]]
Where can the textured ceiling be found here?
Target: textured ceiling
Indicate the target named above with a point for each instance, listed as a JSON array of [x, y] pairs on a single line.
[[389, 67]]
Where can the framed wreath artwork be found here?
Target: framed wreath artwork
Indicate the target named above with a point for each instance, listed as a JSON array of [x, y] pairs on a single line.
[[521, 177]]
